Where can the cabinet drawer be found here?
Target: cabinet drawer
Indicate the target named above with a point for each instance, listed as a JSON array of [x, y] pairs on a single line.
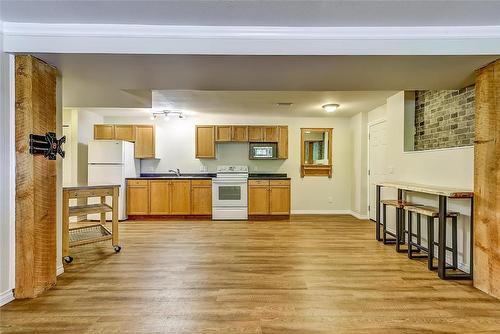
[[258, 182], [201, 183], [137, 182], [280, 182]]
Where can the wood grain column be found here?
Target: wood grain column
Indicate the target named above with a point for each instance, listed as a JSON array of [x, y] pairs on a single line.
[[486, 181], [35, 179]]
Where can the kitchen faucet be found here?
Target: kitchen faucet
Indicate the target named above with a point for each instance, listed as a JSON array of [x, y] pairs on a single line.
[[176, 171]]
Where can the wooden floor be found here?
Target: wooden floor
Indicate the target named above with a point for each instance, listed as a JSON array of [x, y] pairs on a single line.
[[310, 275]]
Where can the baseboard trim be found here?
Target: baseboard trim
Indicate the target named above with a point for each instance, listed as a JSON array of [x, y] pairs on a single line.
[[6, 297], [358, 216], [320, 212], [60, 270]]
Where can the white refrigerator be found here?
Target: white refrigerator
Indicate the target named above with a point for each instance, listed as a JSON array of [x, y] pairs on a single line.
[[111, 162]]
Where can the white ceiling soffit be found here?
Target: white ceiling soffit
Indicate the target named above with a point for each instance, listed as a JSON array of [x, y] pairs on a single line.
[[250, 40], [127, 80], [282, 13]]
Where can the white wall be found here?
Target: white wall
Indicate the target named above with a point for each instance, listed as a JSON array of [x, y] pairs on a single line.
[[6, 190], [447, 167], [176, 149], [359, 130], [85, 133]]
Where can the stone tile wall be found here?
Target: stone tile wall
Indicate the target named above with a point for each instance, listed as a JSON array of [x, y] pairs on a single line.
[[444, 118]]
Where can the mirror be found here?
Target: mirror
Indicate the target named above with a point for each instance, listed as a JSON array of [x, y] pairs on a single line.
[[316, 148]]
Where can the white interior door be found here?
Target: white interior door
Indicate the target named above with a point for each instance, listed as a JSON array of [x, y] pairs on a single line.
[[377, 146]]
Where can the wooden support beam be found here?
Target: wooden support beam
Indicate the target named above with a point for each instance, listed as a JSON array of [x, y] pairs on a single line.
[[486, 180], [35, 179]]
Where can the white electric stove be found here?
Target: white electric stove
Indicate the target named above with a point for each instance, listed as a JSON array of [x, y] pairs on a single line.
[[229, 193]]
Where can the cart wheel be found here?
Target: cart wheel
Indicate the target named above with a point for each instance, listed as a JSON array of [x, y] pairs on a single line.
[[117, 248], [68, 259]]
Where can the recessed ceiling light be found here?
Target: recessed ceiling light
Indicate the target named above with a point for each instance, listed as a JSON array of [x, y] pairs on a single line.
[[284, 104], [331, 107]]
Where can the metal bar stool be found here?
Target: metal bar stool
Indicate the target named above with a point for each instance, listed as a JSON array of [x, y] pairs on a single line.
[[431, 213], [399, 236]]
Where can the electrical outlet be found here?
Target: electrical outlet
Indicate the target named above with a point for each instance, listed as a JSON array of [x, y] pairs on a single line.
[[330, 199], [255, 168]]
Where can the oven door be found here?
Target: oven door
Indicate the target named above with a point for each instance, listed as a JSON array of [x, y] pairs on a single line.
[[229, 192]]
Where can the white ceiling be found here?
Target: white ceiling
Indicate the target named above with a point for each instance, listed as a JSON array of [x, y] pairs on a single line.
[[257, 13], [126, 81], [305, 104]]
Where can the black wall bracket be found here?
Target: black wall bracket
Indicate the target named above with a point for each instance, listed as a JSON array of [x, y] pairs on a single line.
[[47, 144]]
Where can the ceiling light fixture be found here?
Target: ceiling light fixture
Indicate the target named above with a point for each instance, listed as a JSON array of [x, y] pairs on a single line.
[[166, 114], [331, 107]]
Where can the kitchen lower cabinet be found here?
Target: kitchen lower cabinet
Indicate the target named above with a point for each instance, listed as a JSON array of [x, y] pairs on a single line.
[[279, 198], [180, 200], [137, 197], [269, 197], [258, 197], [201, 197], [159, 197], [165, 197]]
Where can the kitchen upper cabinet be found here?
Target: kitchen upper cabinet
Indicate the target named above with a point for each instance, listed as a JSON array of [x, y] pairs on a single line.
[[279, 197], [255, 134], [205, 141], [143, 135], [239, 133], [269, 197], [125, 132], [159, 197], [137, 197], [223, 133], [283, 142], [258, 197], [144, 141], [201, 197], [180, 203], [270, 133], [104, 131]]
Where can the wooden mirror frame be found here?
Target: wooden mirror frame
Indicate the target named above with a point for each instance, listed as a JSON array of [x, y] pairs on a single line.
[[316, 170]]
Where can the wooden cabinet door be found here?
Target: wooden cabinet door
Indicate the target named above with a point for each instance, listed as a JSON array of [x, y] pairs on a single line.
[[125, 132], [144, 141], [270, 133], [205, 142], [279, 200], [258, 199], [223, 133], [201, 197], [159, 197], [283, 142], [138, 198], [239, 133], [180, 201], [104, 131], [255, 134]]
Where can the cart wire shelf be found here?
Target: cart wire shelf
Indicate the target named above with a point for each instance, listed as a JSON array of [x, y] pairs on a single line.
[[88, 234]]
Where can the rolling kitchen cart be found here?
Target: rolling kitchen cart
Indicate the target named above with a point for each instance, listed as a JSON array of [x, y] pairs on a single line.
[[72, 237]]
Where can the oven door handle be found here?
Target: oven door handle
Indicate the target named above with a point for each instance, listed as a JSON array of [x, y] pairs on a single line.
[[236, 181]]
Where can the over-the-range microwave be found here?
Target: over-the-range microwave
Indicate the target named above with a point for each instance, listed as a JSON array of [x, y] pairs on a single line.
[[262, 151]]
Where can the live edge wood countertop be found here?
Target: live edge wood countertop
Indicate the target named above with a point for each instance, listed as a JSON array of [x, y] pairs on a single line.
[[428, 189]]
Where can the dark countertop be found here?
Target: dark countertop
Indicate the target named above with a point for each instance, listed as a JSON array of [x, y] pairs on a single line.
[[207, 176], [171, 176], [268, 176]]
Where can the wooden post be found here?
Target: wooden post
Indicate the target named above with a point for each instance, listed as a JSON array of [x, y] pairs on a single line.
[[103, 214], [35, 179], [486, 180], [115, 216], [65, 224]]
